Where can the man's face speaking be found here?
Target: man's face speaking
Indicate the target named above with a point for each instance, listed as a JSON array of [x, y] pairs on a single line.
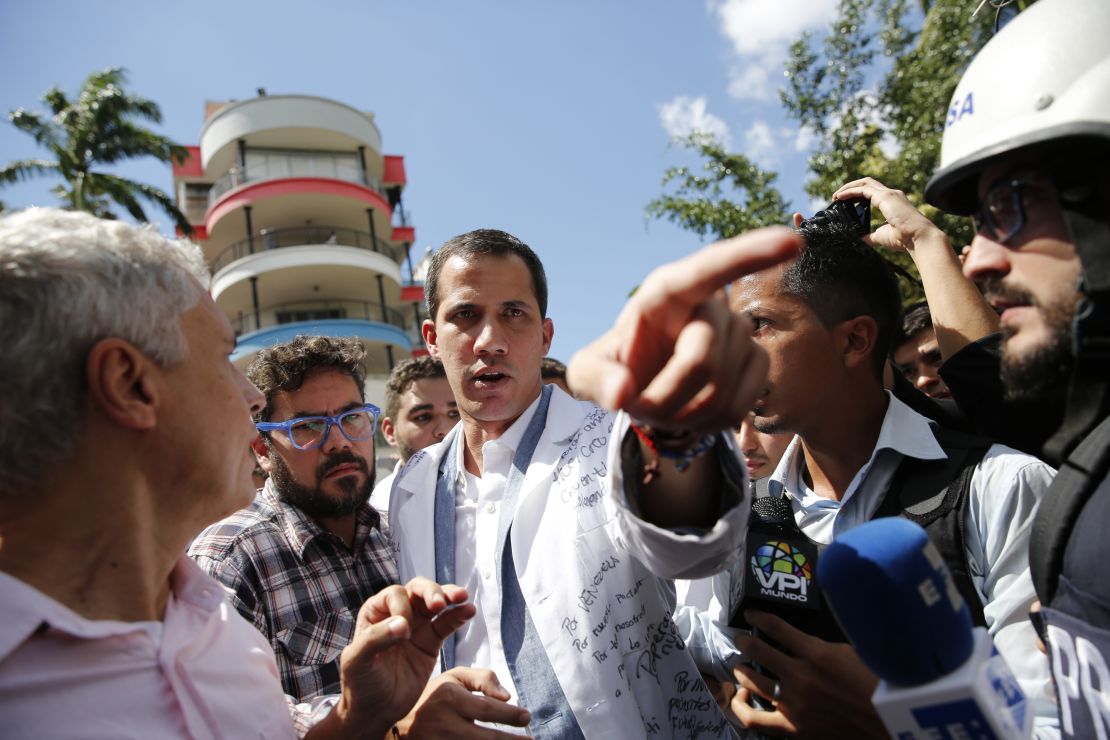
[[490, 335]]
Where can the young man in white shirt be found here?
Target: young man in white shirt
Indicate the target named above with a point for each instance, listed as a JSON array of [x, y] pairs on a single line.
[[827, 320], [419, 411]]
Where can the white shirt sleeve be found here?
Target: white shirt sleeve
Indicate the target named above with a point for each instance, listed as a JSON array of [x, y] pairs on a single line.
[[1005, 490]]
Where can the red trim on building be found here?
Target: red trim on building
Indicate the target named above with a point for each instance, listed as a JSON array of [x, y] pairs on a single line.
[[191, 166], [394, 169], [403, 234], [254, 192], [200, 234], [412, 293], [420, 352]]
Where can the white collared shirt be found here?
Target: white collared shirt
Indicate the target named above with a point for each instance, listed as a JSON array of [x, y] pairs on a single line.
[[477, 514], [1006, 488]]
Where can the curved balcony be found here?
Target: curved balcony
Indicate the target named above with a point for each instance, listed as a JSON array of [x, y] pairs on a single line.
[[284, 121], [319, 309], [383, 342], [289, 167], [300, 236]]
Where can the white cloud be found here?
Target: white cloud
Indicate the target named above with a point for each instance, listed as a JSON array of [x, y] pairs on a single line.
[[685, 115], [804, 139], [764, 145], [758, 26], [761, 32], [888, 145], [760, 144], [750, 81]]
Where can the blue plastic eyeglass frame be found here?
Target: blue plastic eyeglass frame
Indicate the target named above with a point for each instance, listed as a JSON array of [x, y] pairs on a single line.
[[329, 422]]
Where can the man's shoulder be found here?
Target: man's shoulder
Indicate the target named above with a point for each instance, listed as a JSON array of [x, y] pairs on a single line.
[[1005, 460], [240, 531]]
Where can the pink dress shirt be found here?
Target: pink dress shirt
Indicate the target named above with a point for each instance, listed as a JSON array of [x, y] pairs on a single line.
[[202, 672]]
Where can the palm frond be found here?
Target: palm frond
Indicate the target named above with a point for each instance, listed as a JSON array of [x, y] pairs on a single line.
[[119, 189], [25, 169], [98, 127], [150, 193], [34, 124]]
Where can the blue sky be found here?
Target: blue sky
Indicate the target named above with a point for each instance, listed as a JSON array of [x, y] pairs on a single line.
[[549, 120]]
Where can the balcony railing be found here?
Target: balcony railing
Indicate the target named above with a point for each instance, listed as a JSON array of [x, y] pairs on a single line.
[[300, 236], [275, 168], [244, 320], [402, 217]]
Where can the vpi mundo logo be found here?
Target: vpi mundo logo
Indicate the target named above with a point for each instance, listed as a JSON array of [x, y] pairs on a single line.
[[959, 109], [783, 571]]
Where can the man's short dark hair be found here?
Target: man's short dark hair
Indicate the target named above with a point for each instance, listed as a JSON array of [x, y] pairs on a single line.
[[404, 374], [484, 243], [550, 368], [286, 366], [915, 319], [839, 278]]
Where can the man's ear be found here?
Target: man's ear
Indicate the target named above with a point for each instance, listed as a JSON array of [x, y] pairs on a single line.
[[548, 335], [428, 331], [388, 431], [858, 340], [124, 384], [261, 452]]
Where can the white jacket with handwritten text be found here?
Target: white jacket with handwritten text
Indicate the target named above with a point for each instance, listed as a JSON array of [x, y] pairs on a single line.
[[592, 576]]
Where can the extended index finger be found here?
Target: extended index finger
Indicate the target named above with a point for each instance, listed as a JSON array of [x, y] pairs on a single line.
[[696, 278]]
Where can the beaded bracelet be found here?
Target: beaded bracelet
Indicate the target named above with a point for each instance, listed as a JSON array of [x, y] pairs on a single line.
[[683, 457]]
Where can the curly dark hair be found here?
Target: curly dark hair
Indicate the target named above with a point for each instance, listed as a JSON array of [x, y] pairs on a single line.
[[286, 366], [404, 374]]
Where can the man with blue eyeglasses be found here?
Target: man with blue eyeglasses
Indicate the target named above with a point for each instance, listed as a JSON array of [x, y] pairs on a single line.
[[304, 556], [301, 559]]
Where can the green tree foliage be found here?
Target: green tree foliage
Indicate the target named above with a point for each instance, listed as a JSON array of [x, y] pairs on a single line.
[[728, 196], [98, 128], [874, 90]]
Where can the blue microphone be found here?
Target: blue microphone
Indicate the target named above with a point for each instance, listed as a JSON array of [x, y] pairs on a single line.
[[895, 599]]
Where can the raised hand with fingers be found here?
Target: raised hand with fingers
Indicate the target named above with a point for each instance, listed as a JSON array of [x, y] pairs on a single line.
[[905, 227], [677, 358], [386, 667], [822, 688], [959, 312]]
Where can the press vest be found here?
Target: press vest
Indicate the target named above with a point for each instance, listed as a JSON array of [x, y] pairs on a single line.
[[1068, 551]]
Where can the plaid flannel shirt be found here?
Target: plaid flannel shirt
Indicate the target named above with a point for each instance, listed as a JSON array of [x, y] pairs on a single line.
[[298, 583]]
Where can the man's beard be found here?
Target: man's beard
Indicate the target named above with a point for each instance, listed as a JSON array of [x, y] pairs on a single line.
[[404, 450], [313, 501], [1045, 370]]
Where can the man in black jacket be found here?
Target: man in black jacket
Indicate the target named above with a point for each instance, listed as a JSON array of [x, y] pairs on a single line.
[[1027, 152]]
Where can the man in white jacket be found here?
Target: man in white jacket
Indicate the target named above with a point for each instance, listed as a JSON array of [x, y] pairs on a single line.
[[562, 518]]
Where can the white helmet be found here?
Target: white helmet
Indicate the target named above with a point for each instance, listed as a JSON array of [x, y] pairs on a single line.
[[1044, 78]]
